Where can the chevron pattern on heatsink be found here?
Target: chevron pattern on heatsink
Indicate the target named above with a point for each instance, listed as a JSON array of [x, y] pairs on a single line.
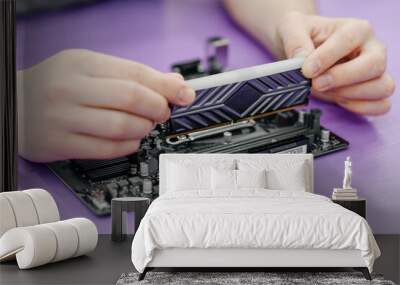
[[229, 103]]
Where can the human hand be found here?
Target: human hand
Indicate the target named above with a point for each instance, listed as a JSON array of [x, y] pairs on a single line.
[[345, 61], [80, 104]]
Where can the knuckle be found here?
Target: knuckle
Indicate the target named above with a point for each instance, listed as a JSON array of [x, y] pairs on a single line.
[[135, 145], [389, 86], [366, 26], [55, 91], [109, 150], [388, 106], [113, 149], [138, 72], [74, 55], [356, 31], [147, 127], [170, 88], [379, 63], [175, 75], [293, 15], [129, 102], [163, 104], [161, 110], [164, 84], [119, 126], [385, 106], [350, 36], [130, 98]]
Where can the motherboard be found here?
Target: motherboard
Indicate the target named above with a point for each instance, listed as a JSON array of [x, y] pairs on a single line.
[[96, 182], [260, 115]]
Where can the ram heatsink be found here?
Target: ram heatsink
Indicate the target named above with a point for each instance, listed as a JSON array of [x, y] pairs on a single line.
[[242, 94]]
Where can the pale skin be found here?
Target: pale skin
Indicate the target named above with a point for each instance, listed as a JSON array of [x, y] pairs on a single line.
[[344, 59], [81, 104]]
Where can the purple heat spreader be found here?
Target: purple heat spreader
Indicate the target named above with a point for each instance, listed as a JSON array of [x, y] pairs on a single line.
[[232, 102]]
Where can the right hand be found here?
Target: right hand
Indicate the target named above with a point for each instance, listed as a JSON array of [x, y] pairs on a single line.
[[344, 59], [80, 104]]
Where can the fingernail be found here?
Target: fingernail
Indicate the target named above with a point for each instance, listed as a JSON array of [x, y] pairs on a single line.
[[176, 75], [166, 115], [314, 66], [186, 95], [323, 82]]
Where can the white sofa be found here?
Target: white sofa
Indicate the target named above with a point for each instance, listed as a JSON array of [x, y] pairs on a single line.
[[31, 231]]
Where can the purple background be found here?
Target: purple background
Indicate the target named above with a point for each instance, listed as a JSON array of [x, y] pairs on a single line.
[[159, 33]]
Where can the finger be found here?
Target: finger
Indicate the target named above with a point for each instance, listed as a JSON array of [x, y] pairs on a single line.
[[342, 42], [86, 147], [121, 95], [176, 75], [371, 63], [174, 89], [107, 124], [323, 96], [295, 35], [371, 108], [376, 89]]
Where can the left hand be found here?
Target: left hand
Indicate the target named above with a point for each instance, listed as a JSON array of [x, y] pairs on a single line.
[[345, 61]]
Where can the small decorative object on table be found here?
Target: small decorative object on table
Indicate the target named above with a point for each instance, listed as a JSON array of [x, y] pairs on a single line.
[[347, 196], [346, 192]]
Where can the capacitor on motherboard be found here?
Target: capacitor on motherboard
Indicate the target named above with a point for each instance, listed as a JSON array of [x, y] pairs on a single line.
[[325, 136], [228, 137], [112, 189], [135, 190], [147, 186], [133, 170], [144, 169], [315, 120], [158, 143], [301, 117], [154, 133], [156, 190]]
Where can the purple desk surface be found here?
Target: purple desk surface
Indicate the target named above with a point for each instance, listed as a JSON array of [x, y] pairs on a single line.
[[159, 33]]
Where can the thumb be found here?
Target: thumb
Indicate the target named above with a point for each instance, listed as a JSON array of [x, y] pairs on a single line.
[[296, 39]]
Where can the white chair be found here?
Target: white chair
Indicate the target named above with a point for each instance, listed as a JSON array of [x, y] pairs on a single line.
[[31, 231]]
